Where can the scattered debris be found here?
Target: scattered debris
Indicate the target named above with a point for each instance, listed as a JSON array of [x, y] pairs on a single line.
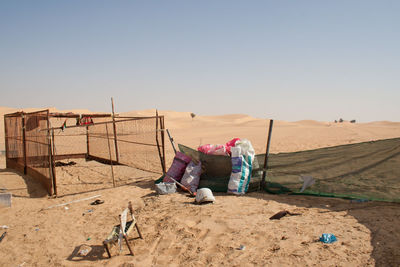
[[328, 238], [60, 163], [241, 247], [204, 195], [97, 202], [165, 188], [281, 214], [37, 229], [275, 248], [88, 211], [5, 199], [74, 201], [84, 251], [3, 235]]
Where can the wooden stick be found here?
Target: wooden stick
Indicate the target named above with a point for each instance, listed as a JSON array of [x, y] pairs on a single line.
[[271, 123], [24, 143], [106, 247], [158, 144], [109, 152], [125, 237], [172, 141], [115, 131], [184, 187], [163, 142], [70, 202]]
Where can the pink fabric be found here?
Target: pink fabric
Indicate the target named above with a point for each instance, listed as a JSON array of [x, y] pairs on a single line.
[[230, 144], [212, 149], [224, 150], [177, 168]]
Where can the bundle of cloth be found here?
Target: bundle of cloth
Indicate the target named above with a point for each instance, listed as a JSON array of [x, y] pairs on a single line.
[[222, 150]]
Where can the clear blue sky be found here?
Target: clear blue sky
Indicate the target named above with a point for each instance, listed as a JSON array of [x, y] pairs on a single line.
[[288, 60]]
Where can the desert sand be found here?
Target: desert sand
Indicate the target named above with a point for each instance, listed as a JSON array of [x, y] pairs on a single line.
[[178, 233]]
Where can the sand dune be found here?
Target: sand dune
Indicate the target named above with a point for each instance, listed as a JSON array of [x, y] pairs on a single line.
[[178, 233]]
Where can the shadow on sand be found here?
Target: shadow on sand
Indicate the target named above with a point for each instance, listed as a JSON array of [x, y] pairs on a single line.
[[88, 253], [373, 214], [33, 188]]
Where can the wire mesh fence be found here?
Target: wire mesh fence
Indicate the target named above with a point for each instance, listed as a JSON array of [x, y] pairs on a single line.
[[70, 155]]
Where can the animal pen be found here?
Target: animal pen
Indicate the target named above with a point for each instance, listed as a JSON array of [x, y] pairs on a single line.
[[71, 153]]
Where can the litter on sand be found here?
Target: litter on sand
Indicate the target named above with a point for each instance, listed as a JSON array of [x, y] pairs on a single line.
[[204, 195], [5, 199], [70, 202], [88, 211], [2, 236], [164, 188], [328, 238], [241, 247], [97, 202], [281, 214]]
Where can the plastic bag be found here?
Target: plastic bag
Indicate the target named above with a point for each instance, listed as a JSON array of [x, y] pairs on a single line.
[[242, 165], [204, 195], [165, 188], [328, 238], [191, 177], [231, 144], [177, 168]]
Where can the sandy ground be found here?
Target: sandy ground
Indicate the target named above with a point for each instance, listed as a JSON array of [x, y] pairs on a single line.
[[178, 233]]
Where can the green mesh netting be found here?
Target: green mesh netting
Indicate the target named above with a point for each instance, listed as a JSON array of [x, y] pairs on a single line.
[[369, 170]]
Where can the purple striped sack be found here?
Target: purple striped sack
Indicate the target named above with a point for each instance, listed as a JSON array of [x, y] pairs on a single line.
[[177, 168]]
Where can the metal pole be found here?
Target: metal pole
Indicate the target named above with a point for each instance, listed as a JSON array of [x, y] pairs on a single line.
[[163, 142], [172, 141], [109, 152], [87, 142], [158, 143], [50, 186], [115, 132], [24, 143], [6, 138], [271, 123], [53, 162]]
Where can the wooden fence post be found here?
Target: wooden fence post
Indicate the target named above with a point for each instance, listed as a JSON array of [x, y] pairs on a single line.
[[109, 152], [271, 123], [115, 132]]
